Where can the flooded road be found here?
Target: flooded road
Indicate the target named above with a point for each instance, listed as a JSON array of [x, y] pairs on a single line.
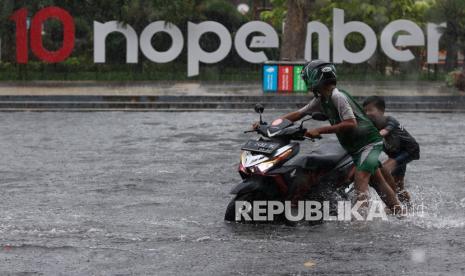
[[145, 193]]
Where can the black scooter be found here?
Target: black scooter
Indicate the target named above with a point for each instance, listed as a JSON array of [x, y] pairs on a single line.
[[271, 170]]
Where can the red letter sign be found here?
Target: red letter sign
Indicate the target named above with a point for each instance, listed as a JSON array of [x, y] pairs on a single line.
[[37, 45], [20, 17]]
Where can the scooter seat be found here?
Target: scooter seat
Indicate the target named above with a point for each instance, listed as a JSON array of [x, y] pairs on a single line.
[[325, 157]]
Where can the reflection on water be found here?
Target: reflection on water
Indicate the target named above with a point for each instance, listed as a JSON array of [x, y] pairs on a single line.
[[144, 193]]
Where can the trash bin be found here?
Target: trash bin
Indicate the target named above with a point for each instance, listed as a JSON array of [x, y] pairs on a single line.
[[283, 77]]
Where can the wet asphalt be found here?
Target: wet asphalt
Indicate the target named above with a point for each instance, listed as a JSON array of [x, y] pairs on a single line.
[[145, 193]]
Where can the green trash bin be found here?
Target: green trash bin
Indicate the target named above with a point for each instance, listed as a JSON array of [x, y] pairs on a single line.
[[299, 84]]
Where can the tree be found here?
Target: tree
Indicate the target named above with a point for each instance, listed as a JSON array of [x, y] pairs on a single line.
[[295, 30], [453, 13], [276, 15], [377, 14]]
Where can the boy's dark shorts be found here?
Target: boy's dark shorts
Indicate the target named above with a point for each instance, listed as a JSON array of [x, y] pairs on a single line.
[[402, 159]]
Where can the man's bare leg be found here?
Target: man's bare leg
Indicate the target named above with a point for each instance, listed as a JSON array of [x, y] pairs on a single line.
[[361, 180], [398, 181], [386, 193], [389, 179], [389, 165]]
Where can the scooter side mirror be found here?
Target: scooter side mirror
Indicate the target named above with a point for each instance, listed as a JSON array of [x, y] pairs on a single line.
[[318, 116], [259, 108]]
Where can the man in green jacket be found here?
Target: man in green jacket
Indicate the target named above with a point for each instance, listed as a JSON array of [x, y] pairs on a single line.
[[353, 128]]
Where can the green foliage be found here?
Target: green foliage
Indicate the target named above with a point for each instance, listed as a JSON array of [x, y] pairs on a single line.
[[222, 11], [453, 13], [276, 15], [139, 13], [377, 13]]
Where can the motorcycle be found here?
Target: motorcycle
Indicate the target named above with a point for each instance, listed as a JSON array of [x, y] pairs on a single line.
[[271, 169]]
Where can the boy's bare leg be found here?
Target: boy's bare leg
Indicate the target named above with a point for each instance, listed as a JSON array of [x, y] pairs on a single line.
[[399, 182], [395, 182], [398, 187], [403, 195]]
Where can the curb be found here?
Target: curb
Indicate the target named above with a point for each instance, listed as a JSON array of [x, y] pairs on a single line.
[[207, 103]]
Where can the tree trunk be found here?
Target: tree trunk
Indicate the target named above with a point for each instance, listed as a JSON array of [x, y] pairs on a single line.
[[7, 32], [463, 60], [451, 57], [295, 29]]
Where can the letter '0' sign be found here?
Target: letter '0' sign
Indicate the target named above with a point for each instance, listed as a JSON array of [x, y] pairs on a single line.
[[196, 54], [37, 46], [102, 30], [176, 44]]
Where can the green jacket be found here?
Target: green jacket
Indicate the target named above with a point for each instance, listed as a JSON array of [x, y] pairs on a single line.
[[353, 140]]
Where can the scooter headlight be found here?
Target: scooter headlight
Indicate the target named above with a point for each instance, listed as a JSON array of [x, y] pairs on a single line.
[[243, 157], [265, 166]]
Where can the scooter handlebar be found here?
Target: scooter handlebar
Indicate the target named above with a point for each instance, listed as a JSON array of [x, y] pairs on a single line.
[[300, 135], [313, 139]]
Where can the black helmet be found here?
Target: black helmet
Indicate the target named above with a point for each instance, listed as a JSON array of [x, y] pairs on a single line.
[[317, 73]]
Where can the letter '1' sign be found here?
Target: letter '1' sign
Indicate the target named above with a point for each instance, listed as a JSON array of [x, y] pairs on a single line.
[[37, 46]]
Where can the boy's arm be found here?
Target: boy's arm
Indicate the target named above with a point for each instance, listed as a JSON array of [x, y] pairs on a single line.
[[384, 132], [391, 124]]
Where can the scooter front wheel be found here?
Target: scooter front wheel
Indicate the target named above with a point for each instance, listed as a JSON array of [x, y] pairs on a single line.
[[230, 214]]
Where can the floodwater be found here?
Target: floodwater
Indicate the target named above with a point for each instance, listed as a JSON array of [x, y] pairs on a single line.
[[145, 193]]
